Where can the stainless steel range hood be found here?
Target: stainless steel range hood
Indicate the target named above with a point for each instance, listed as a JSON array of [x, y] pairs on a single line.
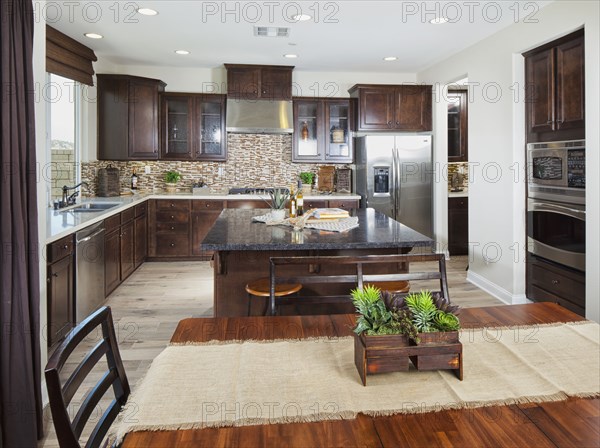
[[259, 116]]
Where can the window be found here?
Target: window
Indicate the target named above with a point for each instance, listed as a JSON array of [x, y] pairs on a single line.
[[64, 97]]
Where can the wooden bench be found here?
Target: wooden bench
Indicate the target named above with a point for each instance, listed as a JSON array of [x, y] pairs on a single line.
[[353, 280]]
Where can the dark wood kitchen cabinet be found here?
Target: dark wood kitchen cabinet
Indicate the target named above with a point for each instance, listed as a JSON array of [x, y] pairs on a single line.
[[322, 131], [458, 226], [193, 127], [119, 249], [251, 82], [204, 215], [457, 126], [169, 228], [140, 234], [551, 282], [112, 253], [127, 244], [128, 115], [392, 107], [61, 289], [555, 90]]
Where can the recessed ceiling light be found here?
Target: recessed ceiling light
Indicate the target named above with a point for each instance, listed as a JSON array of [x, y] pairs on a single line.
[[301, 17], [147, 11], [438, 20], [390, 58], [93, 35], [182, 52], [291, 56]]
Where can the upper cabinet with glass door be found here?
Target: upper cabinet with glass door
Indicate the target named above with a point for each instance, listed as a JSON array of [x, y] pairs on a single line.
[[457, 126], [193, 127], [321, 131]]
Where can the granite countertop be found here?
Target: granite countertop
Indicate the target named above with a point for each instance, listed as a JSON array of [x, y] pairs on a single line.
[[235, 230], [60, 223]]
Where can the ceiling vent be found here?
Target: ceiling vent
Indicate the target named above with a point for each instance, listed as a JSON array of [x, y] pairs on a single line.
[[271, 31]]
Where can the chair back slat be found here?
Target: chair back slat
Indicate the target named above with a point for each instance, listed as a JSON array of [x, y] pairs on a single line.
[[103, 425], [83, 369], [91, 401], [68, 431]]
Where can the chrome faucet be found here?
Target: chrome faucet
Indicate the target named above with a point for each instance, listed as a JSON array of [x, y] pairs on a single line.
[[70, 199]]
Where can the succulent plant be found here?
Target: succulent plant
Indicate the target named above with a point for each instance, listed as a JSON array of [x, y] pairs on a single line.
[[279, 197], [446, 321], [422, 310], [393, 301], [373, 315], [443, 304]]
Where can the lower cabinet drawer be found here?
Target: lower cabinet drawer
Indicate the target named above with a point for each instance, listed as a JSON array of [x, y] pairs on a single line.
[[172, 227], [558, 284], [172, 216], [172, 245], [346, 205]]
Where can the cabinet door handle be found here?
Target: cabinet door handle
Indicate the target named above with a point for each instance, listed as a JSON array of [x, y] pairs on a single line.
[[207, 205], [172, 217], [389, 123], [555, 282], [66, 246], [172, 244], [172, 228], [172, 205]]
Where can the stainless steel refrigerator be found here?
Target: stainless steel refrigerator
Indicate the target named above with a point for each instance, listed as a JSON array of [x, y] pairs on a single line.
[[394, 176]]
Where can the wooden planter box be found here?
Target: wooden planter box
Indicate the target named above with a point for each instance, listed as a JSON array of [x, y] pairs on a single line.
[[391, 353]]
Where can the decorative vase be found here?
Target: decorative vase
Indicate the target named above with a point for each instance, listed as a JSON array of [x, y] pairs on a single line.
[[171, 187], [306, 188], [278, 214]]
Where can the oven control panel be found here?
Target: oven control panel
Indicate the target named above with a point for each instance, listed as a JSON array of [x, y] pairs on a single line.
[[576, 168]]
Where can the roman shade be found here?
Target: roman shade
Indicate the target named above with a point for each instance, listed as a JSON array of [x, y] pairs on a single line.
[[68, 58]]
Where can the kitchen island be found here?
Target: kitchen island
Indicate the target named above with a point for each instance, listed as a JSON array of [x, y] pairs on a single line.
[[243, 248]]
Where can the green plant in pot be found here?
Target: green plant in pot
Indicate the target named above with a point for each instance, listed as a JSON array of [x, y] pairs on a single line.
[[387, 314], [307, 178], [279, 198], [171, 178]]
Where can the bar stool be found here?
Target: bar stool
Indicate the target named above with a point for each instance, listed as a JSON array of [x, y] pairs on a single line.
[[392, 287], [261, 288]]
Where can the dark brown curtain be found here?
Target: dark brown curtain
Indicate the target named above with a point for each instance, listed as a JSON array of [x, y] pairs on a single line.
[[20, 394]]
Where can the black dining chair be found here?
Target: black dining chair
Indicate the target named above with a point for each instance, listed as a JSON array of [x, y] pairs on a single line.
[[68, 431]]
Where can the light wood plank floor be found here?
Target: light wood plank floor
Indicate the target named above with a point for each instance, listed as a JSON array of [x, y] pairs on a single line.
[[149, 304]]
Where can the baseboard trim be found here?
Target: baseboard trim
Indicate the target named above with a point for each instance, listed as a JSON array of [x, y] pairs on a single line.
[[495, 290]]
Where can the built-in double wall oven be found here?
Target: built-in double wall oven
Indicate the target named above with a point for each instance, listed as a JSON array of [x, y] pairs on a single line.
[[556, 202]]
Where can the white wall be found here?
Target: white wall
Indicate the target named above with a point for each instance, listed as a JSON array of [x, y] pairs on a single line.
[[496, 142]]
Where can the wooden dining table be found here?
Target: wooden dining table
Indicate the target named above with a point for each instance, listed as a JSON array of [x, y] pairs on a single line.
[[574, 422]]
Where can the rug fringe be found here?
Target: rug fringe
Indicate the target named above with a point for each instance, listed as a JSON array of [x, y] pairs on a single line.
[[348, 415]]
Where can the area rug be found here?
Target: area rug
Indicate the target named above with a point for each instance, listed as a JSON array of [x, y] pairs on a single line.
[[249, 383]]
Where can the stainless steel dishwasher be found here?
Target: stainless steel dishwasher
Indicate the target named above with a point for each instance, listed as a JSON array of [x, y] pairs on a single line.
[[89, 270]]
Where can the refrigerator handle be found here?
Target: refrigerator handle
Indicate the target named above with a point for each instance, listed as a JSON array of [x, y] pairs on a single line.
[[396, 184]]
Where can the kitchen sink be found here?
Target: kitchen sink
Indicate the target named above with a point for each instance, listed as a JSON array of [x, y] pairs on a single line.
[[91, 207]]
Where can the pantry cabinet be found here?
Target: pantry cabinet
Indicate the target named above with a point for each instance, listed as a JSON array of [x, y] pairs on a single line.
[[555, 90]]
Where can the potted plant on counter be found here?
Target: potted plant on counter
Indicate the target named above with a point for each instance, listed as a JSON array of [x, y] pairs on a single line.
[[171, 178], [391, 329], [307, 178], [279, 198]]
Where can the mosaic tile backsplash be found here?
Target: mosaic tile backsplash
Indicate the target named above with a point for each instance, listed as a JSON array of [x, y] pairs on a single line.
[[458, 167], [254, 160]]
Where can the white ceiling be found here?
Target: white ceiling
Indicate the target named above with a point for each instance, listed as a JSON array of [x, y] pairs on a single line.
[[344, 36]]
